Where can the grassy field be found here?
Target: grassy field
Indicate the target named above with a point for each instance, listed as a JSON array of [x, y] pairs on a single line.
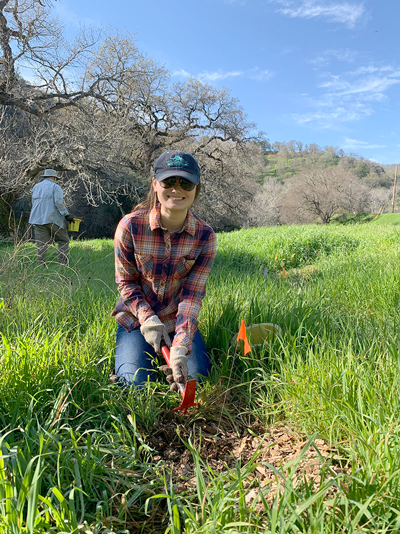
[[81, 454]]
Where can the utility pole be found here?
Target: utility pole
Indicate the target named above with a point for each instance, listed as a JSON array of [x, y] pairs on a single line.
[[394, 188]]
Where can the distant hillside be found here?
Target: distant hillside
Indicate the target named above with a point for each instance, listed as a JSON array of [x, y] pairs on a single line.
[[282, 160], [303, 183]]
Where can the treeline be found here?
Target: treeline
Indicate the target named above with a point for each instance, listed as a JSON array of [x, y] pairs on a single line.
[[100, 112], [279, 186], [302, 183]]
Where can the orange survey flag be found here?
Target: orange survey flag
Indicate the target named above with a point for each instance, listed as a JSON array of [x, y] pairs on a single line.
[[243, 336]]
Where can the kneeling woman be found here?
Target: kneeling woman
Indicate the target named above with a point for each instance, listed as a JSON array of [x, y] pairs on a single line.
[[163, 256]]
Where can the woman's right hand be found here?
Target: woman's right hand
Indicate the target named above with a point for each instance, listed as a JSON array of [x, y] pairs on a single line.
[[154, 332]]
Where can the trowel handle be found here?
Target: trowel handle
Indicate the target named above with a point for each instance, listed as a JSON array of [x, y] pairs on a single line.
[[165, 353]]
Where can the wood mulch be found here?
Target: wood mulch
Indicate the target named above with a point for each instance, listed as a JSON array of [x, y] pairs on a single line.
[[222, 448]]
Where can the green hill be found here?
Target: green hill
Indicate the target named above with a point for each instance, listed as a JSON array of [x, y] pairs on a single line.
[[389, 219]]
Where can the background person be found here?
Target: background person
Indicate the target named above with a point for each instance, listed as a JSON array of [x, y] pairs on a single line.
[[163, 256], [49, 216]]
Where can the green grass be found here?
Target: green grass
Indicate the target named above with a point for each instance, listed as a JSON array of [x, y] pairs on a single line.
[[391, 219], [76, 449]]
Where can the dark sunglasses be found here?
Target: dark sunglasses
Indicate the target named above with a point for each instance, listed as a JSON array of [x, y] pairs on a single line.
[[182, 182]]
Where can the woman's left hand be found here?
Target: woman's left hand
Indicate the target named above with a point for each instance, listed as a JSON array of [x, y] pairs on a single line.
[[178, 369], [178, 363], [173, 386]]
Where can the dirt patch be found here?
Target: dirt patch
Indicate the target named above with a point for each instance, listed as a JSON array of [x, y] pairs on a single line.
[[222, 448]]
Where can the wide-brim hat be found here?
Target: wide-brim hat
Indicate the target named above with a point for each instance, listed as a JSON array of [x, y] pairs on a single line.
[[50, 173], [177, 163]]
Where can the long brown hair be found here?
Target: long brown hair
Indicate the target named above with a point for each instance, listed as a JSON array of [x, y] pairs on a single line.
[[151, 200]]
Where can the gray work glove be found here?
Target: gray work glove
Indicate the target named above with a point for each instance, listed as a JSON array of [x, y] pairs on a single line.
[[178, 370], [154, 332]]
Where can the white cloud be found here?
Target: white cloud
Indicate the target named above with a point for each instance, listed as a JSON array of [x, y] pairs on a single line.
[[371, 70], [343, 12], [329, 119], [208, 76], [355, 144], [340, 55], [212, 76], [348, 97], [368, 82], [219, 75], [181, 73], [259, 74]]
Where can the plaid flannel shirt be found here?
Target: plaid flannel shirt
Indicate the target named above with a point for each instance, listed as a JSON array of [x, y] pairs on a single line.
[[162, 273]]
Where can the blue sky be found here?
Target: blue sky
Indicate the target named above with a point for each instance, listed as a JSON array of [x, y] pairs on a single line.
[[323, 71]]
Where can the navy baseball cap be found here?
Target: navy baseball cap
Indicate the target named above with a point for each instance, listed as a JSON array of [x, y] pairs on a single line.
[[177, 163]]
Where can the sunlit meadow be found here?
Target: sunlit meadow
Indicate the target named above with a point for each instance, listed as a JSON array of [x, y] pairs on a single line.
[[77, 453]]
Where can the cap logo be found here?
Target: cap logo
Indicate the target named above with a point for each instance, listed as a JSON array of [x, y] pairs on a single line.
[[177, 161]]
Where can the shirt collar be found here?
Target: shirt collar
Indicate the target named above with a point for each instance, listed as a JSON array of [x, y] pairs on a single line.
[[155, 221]]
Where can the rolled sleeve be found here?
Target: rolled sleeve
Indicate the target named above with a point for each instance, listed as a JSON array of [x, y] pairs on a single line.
[[127, 275]]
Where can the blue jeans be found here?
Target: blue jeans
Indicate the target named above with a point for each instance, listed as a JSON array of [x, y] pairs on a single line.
[[135, 359]]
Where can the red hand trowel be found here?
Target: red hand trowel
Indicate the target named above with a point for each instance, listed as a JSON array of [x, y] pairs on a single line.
[[188, 391]]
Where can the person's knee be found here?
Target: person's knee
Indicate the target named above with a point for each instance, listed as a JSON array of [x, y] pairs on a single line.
[[63, 241], [133, 358], [137, 379]]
